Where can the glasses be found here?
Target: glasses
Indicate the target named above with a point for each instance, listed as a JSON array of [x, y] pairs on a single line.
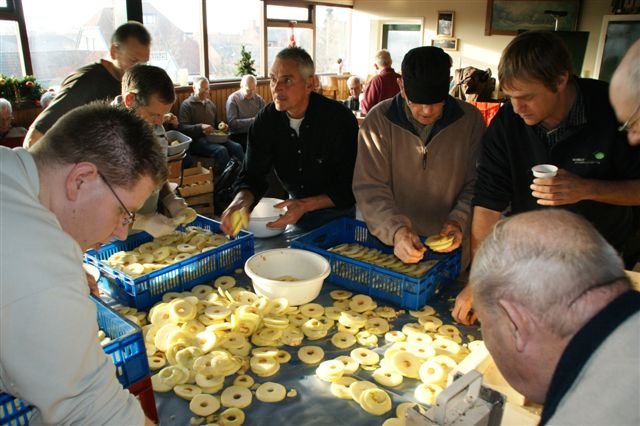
[[630, 122], [131, 217]]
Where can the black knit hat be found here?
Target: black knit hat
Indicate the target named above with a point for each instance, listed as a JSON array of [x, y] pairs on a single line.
[[425, 74]]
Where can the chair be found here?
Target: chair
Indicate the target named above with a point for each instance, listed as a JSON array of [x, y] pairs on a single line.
[[174, 164], [329, 86]]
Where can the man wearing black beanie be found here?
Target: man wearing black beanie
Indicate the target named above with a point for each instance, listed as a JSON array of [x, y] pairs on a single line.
[[415, 169]]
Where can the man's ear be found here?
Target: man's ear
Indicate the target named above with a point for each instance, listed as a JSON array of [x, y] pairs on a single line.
[[520, 322], [128, 99], [112, 51], [79, 177]]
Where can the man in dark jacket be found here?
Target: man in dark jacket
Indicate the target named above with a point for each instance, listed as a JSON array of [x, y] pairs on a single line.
[[554, 118], [309, 140]]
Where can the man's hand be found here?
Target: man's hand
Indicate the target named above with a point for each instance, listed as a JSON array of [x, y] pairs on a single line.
[[242, 201], [207, 129], [93, 285], [564, 188], [407, 245], [295, 209], [452, 228], [174, 204], [171, 119], [463, 309], [154, 224]]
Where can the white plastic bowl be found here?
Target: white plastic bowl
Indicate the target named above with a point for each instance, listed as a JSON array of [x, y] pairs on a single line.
[[263, 213], [268, 268]]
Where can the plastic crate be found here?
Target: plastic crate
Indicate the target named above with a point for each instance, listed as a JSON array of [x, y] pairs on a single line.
[[143, 292], [376, 281], [127, 351]]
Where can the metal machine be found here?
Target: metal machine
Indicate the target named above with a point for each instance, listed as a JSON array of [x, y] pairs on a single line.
[[464, 402]]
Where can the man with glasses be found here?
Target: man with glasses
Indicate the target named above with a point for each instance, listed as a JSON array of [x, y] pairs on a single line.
[[554, 117], [57, 200], [310, 143], [559, 317], [625, 93], [417, 153], [130, 45]]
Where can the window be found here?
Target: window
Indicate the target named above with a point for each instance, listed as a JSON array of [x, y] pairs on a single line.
[[279, 38], [288, 13], [60, 44], [10, 50], [175, 36], [333, 34], [398, 39], [230, 26]]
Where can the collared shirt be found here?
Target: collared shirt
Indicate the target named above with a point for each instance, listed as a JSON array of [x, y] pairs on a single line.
[[318, 161], [241, 111], [575, 119], [194, 112]]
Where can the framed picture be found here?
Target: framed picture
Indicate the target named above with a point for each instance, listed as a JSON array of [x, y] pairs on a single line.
[[445, 24], [445, 43], [506, 17]]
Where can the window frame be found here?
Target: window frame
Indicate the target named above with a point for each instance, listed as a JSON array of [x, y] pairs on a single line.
[[14, 12]]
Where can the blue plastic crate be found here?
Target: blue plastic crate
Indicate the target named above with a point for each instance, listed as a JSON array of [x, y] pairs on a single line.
[[143, 292], [127, 351], [376, 281]]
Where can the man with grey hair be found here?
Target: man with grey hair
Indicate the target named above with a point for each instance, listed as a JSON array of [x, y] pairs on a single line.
[[354, 84], [383, 85], [624, 93], [10, 135], [198, 119], [310, 142], [242, 107], [559, 317], [57, 200]]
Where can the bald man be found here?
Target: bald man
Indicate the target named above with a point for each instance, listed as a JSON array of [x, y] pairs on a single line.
[[624, 93]]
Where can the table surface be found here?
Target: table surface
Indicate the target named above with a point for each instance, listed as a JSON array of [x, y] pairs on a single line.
[[314, 403]]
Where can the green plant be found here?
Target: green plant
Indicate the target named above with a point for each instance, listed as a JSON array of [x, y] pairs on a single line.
[[17, 90], [245, 65]]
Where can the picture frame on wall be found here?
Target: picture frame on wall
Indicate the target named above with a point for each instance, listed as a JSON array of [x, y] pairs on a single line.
[[445, 43], [445, 23], [507, 17]]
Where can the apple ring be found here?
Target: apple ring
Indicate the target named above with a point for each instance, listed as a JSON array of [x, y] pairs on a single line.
[[264, 366], [365, 338], [224, 282], [375, 401], [206, 378], [312, 310], [404, 363], [425, 310], [427, 393], [386, 377], [157, 361], [377, 325], [271, 392], [134, 269], [310, 354], [445, 346], [232, 417], [244, 381], [236, 397], [343, 340], [364, 356], [159, 385], [283, 357], [204, 405], [431, 372], [330, 370], [187, 391], [182, 311], [186, 215], [161, 254], [358, 387], [340, 388], [340, 294]]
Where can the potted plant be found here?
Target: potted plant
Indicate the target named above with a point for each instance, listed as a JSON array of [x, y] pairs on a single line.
[[245, 65], [20, 91]]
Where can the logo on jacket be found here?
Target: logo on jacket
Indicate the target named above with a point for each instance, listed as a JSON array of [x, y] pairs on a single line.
[[596, 158]]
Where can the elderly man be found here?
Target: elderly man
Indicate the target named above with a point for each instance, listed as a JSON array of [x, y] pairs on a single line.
[[130, 44], [242, 107], [310, 142], [559, 318], [148, 92], [10, 135], [555, 118], [383, 85], [198, 119], [355, 88], [57, 200], [624, 93], [416, 161]]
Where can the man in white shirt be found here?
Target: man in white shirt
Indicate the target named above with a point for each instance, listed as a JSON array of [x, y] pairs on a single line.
[[57, 200]]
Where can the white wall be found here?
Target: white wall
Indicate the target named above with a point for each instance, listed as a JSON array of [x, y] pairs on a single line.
[[474, 48]]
